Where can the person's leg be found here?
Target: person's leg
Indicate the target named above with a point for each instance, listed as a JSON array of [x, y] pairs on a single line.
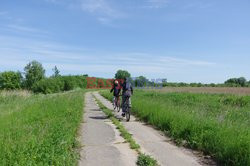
[[118, 100], [113, 100], [129, 101], [123, 102]]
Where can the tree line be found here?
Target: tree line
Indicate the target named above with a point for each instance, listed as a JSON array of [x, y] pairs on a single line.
[[142, 81], [33, 78]]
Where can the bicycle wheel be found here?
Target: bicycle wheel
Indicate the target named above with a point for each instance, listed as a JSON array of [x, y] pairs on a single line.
[[118, 106], [114, 103], [127, 114]]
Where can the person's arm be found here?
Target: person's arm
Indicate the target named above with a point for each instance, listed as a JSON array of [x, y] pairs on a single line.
[[132, 91], [111, 90]]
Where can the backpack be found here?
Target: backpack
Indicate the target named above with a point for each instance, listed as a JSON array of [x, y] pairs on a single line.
[[127, 89], [128, 86]]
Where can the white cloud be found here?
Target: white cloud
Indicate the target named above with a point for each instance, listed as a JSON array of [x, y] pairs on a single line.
[[97, 6], [156, 4], [104, 12], [16, 52], [22, 28]]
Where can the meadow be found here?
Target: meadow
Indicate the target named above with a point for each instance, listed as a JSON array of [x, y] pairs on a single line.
[[211, 90], [216, 124], [40, 129]]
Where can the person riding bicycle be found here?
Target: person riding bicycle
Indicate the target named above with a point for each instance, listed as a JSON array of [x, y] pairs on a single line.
[[127, 92], [116, 90]]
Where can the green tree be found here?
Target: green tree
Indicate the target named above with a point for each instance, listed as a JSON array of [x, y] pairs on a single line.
[[56, 72], [236, 81], [121, 74], [34, 72], [141, 81], [242, 81], [10, 80]]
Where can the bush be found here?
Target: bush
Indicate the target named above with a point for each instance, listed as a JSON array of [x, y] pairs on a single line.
[[58, 84], [10, 80], [48, 85]]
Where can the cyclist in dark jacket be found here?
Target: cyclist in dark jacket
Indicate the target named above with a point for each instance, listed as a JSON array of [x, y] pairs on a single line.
[[127, 92], [116, 91]]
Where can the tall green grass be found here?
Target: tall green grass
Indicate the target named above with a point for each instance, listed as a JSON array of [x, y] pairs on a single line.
[[40, 129], [218, 125]]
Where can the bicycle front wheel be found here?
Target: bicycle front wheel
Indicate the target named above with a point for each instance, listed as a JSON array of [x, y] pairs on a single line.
[[128, 114]]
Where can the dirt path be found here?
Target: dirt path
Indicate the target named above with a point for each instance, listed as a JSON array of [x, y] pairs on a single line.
[[102, 143], [154, 143]]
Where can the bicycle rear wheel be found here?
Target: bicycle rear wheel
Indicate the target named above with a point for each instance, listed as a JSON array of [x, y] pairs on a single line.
[[114, 103], [118, 106], [127, 114]]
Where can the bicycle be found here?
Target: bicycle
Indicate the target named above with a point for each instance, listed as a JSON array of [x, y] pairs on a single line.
[[116, 103], [127, 108]]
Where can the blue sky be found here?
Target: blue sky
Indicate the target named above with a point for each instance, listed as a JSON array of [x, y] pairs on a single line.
[[181, 40]]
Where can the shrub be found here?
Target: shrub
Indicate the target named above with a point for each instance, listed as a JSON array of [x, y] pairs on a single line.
[[10, 80], [48, 85], [58, 84]]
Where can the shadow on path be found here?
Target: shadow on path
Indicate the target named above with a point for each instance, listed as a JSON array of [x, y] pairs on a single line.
[[99, 117]]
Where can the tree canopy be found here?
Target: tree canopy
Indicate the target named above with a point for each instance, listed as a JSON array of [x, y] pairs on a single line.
[[10, 80], [34, 72], [122, 74], [56, 72], [237, 81]]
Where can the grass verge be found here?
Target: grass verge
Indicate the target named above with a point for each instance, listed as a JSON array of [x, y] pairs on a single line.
[[217, 124], [143, 159], [40, 129]]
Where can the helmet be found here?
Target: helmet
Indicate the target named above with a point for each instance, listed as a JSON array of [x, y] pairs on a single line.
[[116, 82]]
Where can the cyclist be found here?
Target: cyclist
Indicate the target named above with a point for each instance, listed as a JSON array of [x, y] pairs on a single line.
[[116, 91], [127, 92]]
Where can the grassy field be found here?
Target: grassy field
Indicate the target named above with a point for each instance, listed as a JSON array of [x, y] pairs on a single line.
[[39, 129], [217, 124], [211, 90]]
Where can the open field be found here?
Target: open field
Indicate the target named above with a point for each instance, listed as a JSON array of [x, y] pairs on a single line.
[[39, 129], [217, 124], [213, 90]]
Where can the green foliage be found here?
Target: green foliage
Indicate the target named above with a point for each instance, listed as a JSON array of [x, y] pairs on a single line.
[[48, 85], [58, 84], [216, 124], [56, 72], [232, 82], [146, 160], [34, 72], [10, 80], [140, 81], [40, 129], [122, 74], [235, 101], [237, 82]]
